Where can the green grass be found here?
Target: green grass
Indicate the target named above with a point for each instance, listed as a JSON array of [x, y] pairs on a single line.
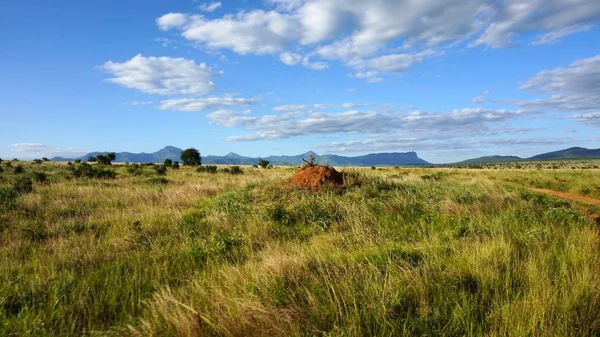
[[441, 252]]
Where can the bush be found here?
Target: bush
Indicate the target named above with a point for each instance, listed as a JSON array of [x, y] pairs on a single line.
[[40, 177], [18, 169], [106, 159], [135, 169], [45, 159], [191, 157], [37, 161], [207, 169], [175, 165], [263, 163], [91, 159], [168, 162], [160, 170], [8, 198], [373, 168], [77, 161], [84, 170], [235, 170], [23, 185]]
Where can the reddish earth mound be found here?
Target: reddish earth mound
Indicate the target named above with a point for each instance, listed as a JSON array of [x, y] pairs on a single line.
[[315, 177]]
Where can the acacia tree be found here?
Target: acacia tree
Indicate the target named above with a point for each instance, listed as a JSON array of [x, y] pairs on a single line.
[[191, 157], [263, 163]]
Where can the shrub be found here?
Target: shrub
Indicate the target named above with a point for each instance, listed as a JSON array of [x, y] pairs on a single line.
[[191, 157], [235, 170], [105, 160], [91, 159], [168, 162], [263, 163], [0, 160], [40, 177], [77, 161], [373, 168], [135, 169], [45, 159], [8, 164], [23, 185], [88, 171], [37, 161], [8, 198], [18, 169], [175, 165], [207, 169], [160, 170]]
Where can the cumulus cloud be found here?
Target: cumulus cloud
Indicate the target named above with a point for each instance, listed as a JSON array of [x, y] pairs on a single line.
[[209, 7], [201, 104], [362, 33], [162, 75], [286, 108], [574, 88]]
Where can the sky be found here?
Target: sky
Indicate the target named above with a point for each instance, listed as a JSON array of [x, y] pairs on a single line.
[[448, 79]]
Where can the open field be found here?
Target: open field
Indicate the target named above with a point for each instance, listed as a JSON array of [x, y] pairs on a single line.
[[440, 251]]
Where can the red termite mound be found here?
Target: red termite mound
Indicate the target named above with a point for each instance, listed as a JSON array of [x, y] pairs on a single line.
[[317, 176]]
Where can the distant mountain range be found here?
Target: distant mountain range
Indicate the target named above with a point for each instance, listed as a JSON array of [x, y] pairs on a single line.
[[570, 153], [373, 159], [173, 153]]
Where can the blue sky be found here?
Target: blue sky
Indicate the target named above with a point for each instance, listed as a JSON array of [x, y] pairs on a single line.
[[448, 79]]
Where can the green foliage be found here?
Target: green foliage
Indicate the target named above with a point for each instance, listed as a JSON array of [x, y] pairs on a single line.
[[160, 169], [40, 177], [263, 163], [175, 165], [77, 161], [18, 169], [45, 159], [135, 169], [37, 161], [23, 185], [168, 162], [8, 198], [235, 170], [191, 157], [105, 159], [207, 169], [84, 170], [91, 159]]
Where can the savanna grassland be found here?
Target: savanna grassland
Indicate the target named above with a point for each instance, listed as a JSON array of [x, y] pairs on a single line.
[[443, 251]]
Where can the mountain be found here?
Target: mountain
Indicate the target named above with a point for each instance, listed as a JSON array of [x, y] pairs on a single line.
[[570, 153], [173, 153], [490, 159]]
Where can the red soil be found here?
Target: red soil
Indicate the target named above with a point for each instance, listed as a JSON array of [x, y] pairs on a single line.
[[315, 177]]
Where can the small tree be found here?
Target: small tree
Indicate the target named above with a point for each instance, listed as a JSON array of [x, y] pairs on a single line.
[[91, 159], [111, 156], [78, 161], [175, 165], [168, 162], [45, 159], [103, 160], [0, 160], [191, 157], [263, 163], [37, 161], [18, 169]]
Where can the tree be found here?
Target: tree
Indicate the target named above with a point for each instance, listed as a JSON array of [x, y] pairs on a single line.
[[45, 159], [106, 159], [111, 156], [263, 163], [191, 157], [91, 159], [168, 162]]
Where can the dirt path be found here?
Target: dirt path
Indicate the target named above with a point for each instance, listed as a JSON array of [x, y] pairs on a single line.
[[574, 197], [568, 196]]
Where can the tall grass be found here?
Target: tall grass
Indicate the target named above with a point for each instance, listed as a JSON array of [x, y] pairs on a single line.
[[199, 254]]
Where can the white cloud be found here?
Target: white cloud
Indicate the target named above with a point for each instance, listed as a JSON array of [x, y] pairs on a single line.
[[394, 62], [45, 150], [481, 98], [209, 7], [292, 59], [574, 88], [136, 103], [287, 108], [201, 104], [363, 32], [162, 75], [294, 122], [592, 118]]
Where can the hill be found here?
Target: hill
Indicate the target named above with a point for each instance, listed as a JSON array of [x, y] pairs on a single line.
[[490, 159], [173, 153], [570, 153]]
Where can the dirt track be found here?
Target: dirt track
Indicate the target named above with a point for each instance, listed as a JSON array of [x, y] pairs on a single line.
[[568, 196], [574, 197]]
